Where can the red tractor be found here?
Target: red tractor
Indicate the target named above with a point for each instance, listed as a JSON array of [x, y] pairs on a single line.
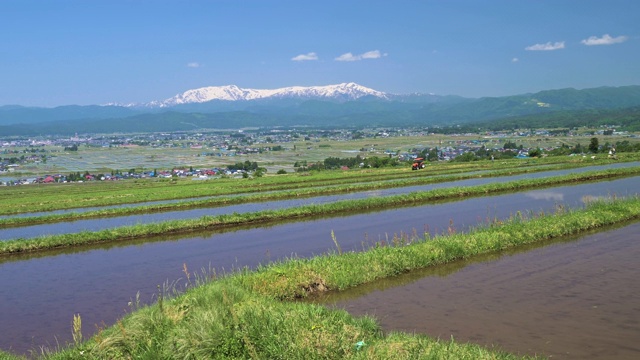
[[418, 163]]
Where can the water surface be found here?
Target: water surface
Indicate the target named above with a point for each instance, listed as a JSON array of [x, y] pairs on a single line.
[[469, 182], [41, 292], [113, 222], [575, 299]]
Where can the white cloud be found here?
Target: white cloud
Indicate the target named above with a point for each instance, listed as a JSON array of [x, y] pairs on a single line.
[[347, 57], [305, 57], [193, 65], [546, 47], [515, 60], [374, 54], [606, 39]]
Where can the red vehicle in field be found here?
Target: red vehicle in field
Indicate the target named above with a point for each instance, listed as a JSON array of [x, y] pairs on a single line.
[[418, 163]]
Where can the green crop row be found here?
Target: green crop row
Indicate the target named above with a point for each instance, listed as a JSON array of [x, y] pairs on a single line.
[[307, 211], [49, 197], [261, 197]]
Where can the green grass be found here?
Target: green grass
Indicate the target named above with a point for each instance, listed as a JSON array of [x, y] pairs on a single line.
[[48, 197], [307, 211], [7, 356], [242, 315], [312, 188], [66, 196], [223, 321], [304, 276]]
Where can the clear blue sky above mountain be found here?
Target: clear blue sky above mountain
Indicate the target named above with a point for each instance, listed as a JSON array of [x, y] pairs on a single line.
[[94, 52]]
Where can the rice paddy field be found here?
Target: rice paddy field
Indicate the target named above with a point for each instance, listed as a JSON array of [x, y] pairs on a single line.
[[183, 154], [146, 291]]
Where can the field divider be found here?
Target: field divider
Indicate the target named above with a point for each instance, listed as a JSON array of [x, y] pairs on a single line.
[[15, 200], [253, 306], [296, 213], [243, 199], [300, 277]]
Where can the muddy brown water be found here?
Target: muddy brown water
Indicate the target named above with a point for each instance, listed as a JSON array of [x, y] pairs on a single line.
[[571, 299], [40, 293]]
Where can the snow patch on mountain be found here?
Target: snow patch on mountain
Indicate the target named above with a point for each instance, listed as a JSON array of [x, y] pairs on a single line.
[[344, 91]]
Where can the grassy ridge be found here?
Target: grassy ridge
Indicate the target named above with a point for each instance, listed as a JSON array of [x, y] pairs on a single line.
[[227, 220], [49, 197], [303, 276], [313, 189], [242, 315], [67, 196]]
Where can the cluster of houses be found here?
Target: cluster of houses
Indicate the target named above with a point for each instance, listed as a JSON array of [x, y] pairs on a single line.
[[200, 174], [17, 152]]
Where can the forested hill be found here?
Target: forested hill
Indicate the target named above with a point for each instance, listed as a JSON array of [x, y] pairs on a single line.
[[553, 108], [627, 119]]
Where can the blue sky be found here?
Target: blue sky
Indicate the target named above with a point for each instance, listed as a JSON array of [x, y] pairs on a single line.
[[61, 52]]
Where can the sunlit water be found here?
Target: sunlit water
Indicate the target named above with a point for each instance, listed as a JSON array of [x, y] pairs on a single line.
[[575, 299], [106, 223], [41, 292]]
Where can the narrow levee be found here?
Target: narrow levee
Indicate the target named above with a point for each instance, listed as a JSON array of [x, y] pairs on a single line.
[[571, 299], [70, 198], [113, 222], [43, 291]]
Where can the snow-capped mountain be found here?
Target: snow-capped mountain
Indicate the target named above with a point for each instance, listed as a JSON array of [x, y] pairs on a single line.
[[344, 91]]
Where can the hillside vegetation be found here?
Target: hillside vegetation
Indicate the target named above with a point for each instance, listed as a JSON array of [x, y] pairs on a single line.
[[560, 108]]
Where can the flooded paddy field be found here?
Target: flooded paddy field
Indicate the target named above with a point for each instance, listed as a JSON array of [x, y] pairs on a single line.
[[8, 233], [42, 291], [574, 298], [391, 191]]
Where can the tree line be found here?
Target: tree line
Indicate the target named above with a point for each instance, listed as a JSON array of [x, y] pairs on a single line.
[[333, 163]]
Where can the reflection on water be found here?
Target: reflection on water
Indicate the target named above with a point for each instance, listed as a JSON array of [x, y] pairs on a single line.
[[556, 194], [568, 300], [42, 292], [591, 198], [545, 195]]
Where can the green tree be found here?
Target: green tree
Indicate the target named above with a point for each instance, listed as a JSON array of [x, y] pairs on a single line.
[[433, 154], [577, 149], [593, 145], [259, 172], [535, 152], [466, 157]]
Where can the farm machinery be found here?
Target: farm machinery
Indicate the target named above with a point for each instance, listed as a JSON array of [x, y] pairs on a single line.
[[418, 163]]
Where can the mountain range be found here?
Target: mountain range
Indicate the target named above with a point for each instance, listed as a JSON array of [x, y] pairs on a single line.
[[342, 92], [341, 105]]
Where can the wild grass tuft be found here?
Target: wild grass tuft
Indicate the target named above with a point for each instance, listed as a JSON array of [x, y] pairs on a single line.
[[335, 241], [77, 329]]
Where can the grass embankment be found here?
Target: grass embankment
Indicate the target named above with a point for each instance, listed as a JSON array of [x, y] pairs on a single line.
[[307, 211], [313, 188], [49, 197], [242, 315]]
